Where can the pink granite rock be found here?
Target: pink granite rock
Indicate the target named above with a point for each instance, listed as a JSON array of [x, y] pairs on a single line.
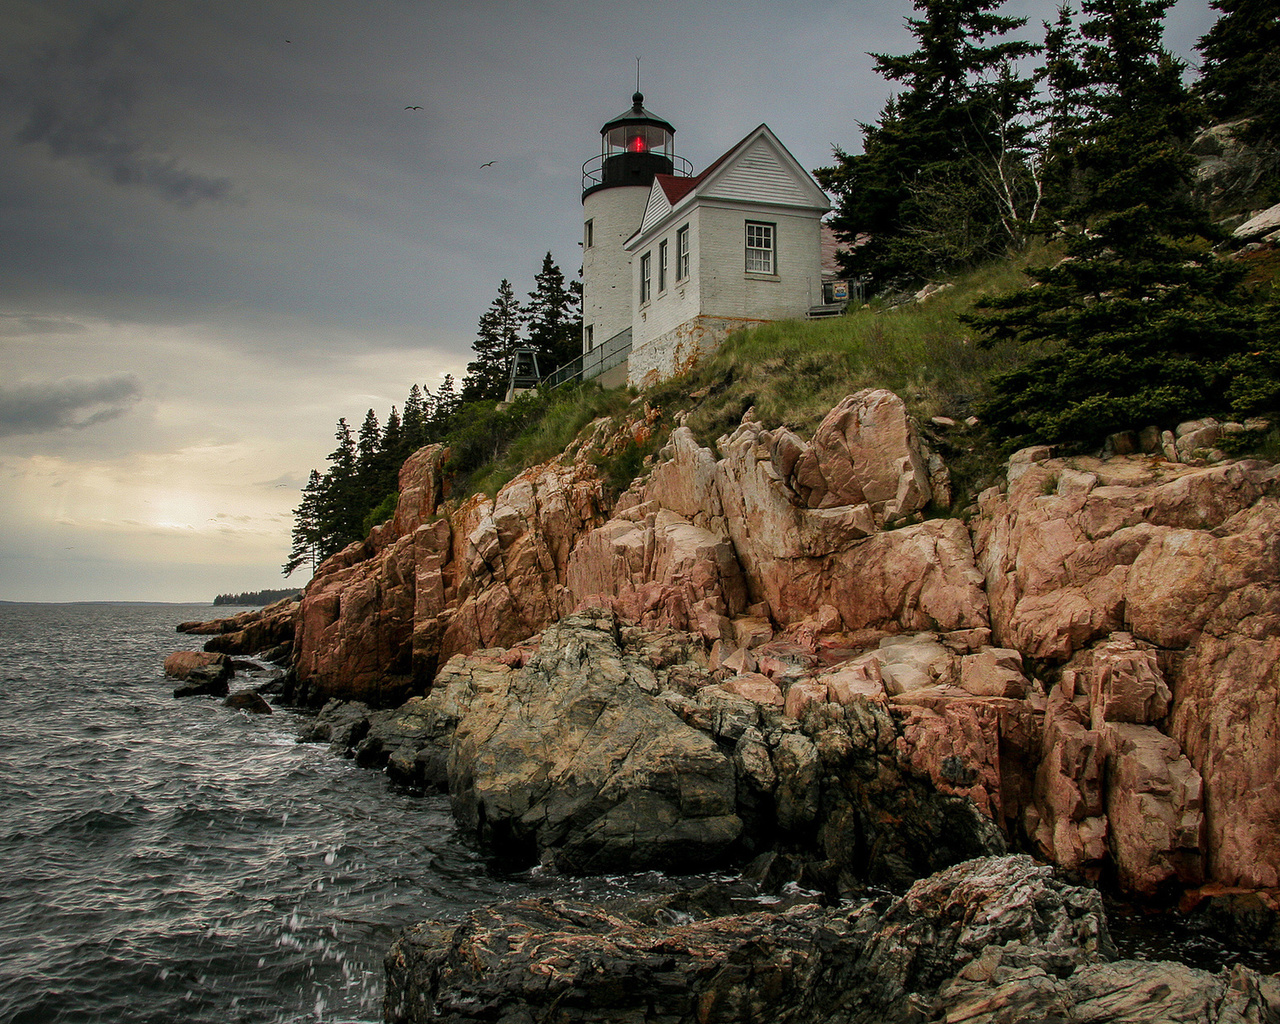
[[755, 687], [993, 672], [1154, 809], [866, 451]]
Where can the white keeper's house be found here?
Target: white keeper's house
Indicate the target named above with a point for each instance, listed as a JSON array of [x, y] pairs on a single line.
[[673, 261]]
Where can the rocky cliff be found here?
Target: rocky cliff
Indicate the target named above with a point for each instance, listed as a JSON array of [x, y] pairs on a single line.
[[777, 645]]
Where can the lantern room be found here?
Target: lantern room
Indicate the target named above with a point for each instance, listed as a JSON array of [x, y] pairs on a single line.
[[634, 146]]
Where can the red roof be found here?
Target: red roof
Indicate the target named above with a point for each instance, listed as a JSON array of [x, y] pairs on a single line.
[[676, 187]]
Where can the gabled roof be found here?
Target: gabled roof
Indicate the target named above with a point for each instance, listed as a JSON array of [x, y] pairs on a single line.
[[758, 169]]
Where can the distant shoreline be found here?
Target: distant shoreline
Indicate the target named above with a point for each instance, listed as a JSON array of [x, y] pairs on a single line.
[[203, 604]]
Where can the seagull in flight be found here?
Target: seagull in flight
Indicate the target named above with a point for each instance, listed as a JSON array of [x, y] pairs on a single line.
[[412, 108], [489, 164]]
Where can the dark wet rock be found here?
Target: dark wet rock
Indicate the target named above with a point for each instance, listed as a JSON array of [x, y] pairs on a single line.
[[1250, 917], [342, 724], [205, 680], [274, 685], [280, 654], [249, 632], [574, 762], [248, 700], [988, 941]]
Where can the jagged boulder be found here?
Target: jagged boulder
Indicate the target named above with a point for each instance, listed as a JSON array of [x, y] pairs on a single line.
[[572, 761], [987, 941]]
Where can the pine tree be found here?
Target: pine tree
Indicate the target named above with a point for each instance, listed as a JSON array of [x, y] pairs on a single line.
[[342, 500], [919, 197], [306, 534], [1069, 99], [445, 407], [368, 444], [413, 429], [553, 318], [1141, 322], [391, 454], [496, 340]]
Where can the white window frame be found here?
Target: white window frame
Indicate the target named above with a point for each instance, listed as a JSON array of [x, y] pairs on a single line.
[[662, 266], [761, 247], [589, 233], [589, 333], [646, 277], [682, 253]]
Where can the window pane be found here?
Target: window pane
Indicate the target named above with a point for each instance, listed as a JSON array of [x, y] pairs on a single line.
[[759, 248]]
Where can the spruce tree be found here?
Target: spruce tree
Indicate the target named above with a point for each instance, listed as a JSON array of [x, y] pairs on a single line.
[[918, 199], [496, 340], [1065, 111], [444, 408], [391, 453], [413, 427], [368, 446], [342, 500], [553, 319], [306, 534], [1140, 322]]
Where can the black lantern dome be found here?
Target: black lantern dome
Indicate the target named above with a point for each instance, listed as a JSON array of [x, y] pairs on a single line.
[[634, 147]]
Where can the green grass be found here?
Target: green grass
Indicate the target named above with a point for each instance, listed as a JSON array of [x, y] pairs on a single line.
[[490, 445], [794, 371]]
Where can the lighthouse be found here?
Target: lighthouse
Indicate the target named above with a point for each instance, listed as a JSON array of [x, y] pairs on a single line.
[[635, 146]]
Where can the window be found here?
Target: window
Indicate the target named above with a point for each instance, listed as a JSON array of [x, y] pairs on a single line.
[[759, 248], [588, 335], [682, 253], [662, 266], [589, 234], [646, 287]]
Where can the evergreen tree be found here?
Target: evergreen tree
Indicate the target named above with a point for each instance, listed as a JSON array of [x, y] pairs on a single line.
[[307, 535], [368, 446], [918, 199], [413, 430], [1069, 99], [1141, 322], [497, 338], [444, 408], [1240, 76], [342, 501], [553, 318], [391, 452]]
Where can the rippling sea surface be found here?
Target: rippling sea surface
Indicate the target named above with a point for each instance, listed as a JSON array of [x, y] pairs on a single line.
[[168, 860]]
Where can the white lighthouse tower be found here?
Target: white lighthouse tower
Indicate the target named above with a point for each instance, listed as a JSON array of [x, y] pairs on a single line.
[[634, 147]]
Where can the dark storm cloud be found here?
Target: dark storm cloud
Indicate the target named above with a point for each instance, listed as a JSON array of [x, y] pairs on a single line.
[[78, 101], [40, 408]]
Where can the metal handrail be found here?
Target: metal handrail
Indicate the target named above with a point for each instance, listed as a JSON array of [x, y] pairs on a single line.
[[592, 364], [593, 169]]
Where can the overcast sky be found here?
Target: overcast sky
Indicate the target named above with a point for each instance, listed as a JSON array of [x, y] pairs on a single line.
[[220, 230]]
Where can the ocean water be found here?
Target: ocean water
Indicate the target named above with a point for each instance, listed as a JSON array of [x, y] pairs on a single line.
[[168, 860]]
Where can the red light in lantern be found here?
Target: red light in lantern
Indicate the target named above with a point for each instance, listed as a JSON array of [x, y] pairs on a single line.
[[637, 145]]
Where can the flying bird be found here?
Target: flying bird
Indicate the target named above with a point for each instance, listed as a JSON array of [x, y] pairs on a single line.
[[489, 164], [412, 108]]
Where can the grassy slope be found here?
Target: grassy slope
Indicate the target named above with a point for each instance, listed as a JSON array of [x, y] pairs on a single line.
[[792, 372]]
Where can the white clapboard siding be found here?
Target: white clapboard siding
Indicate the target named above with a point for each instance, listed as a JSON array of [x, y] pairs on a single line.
[[756, 175], [657, 208]]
